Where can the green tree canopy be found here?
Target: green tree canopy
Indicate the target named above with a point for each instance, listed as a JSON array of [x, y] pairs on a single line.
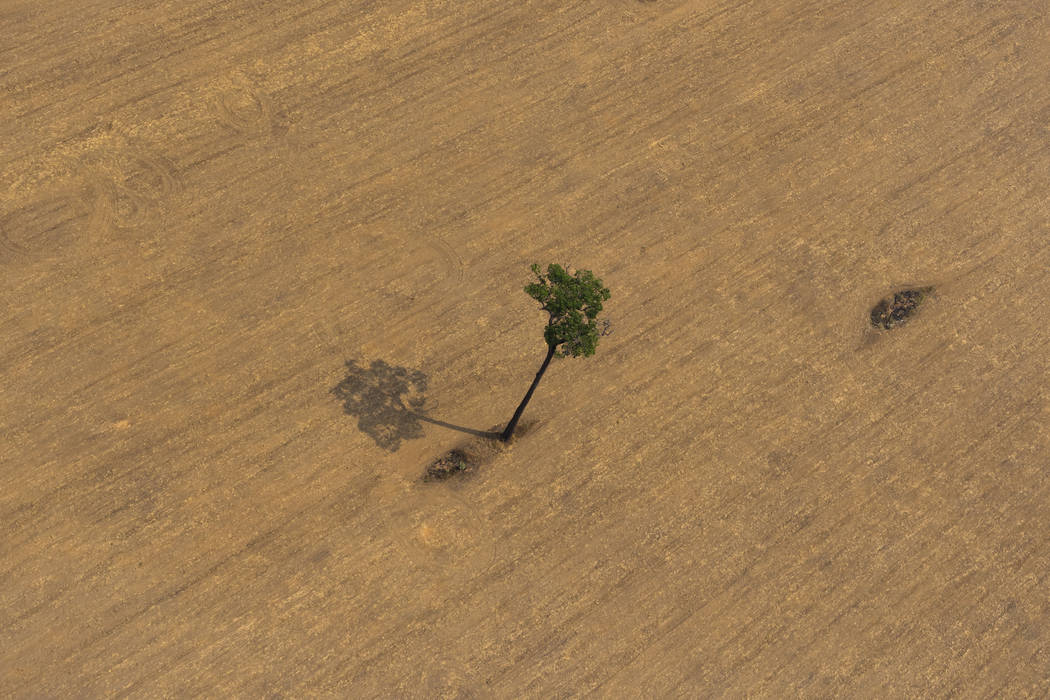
[[572, 303]]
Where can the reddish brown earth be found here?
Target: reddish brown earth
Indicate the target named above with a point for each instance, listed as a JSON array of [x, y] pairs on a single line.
[[207, 209]]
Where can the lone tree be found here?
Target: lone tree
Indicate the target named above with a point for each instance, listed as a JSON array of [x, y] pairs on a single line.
[[572, 302]]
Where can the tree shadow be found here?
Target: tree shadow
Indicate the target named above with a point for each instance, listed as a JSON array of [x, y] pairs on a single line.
[[389, 403]]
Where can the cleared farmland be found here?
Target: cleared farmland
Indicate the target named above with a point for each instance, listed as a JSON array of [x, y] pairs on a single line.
[[262, 262]]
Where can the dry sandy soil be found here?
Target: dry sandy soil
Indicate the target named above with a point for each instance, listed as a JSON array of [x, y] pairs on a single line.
[[263, 261]]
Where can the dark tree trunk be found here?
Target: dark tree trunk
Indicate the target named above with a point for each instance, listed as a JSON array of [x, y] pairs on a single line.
[[528, 395]]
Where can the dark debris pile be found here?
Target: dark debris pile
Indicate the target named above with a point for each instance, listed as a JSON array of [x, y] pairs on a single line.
[[450, 464], [889, 313]]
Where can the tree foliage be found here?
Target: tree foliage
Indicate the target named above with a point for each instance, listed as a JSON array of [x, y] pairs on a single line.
[[572, 303]]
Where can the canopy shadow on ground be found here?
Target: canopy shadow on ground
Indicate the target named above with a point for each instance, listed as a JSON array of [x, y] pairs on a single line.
[[388, 402]]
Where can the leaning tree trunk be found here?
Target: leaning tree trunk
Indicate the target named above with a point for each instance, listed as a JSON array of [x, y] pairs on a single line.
[[528, 395]]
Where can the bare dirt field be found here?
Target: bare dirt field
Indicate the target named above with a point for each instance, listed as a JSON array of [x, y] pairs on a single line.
[[262, 262]]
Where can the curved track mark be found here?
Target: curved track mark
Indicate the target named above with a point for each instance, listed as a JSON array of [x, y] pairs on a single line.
[[454, 262], [245, 108], [129, 188]]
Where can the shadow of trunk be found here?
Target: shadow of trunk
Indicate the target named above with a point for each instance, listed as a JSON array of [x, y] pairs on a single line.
[[470, 431]]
